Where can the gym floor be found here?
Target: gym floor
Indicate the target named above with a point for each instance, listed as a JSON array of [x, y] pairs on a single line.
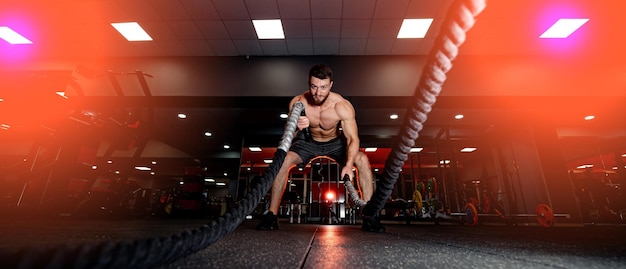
[[416, 245]]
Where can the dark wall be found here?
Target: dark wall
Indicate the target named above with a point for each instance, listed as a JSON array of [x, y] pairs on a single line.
[[358, 75]]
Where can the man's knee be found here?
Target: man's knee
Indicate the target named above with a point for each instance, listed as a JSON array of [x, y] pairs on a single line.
[[361, 160]]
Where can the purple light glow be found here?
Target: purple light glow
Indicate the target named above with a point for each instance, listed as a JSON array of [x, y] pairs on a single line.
[[564, 46]]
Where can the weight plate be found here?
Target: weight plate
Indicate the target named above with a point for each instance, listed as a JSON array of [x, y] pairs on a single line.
[[545, 215], [417, 198], [471, 215]]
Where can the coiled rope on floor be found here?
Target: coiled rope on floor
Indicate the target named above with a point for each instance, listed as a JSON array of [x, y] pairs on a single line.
[[153, 252], [460, 18]]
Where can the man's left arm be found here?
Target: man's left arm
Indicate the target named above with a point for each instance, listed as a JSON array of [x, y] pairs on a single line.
[[346, 113]]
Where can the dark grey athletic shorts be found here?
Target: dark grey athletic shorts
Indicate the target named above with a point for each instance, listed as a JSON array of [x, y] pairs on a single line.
[[335, 149]]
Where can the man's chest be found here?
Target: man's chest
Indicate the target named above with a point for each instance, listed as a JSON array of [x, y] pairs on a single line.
[[325, 118]]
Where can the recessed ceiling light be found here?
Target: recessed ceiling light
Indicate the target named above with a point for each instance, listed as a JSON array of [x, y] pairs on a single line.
[[371, 149], [62, 94], [208, 179], [585, 166], [444, 162], [13, 37], [414, 28], [459, 116], [269, 29], [468, 149], [255, 149], [220, 184], [283, 115], [182, 116], [132, 31], [208, 134], [142, 168], [393, 116], [563, 28], [590, 117], [416, 149], [268, 161], [226, 146]]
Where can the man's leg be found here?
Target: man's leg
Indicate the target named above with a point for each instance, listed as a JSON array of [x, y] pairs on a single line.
[[366, 184], [280, 182], [270, 220], [366, 178]]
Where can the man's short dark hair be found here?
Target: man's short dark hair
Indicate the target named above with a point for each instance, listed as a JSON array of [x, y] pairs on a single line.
[[321, 71]]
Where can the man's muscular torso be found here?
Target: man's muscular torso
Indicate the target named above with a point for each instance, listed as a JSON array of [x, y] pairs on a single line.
[[323, 119]]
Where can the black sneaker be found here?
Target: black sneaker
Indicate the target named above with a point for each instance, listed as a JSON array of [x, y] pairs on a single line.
[[372, 224], [269, 221]]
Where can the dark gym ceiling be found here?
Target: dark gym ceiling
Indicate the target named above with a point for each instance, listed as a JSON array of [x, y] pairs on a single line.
[[504, 68]]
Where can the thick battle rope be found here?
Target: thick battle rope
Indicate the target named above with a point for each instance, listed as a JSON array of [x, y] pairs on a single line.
[[149, 253], [354, 196], [460, 18]]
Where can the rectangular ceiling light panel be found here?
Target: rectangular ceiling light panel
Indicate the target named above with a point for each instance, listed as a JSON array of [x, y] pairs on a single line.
[[269, 29], [13, 37], [132, 31], [563, 28], [414, 28]]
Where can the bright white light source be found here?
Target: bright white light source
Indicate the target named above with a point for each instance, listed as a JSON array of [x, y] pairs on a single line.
[[267, 161], [393, 116], [269, 29], [254, 149], [207, 134], [220, 184], [226, 146], [132, 31], [4, 126], [208, 179], [142, 168], [62, 94], [590, 117], [283, 115], [416, 149], [414, 28], [13, 37], [584, 166], [459, 116], [371, 149], [444, 162], [563, 28], [182, 116], [468, 149]]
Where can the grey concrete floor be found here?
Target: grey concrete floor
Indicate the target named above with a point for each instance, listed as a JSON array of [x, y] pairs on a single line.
[[418, 245]]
